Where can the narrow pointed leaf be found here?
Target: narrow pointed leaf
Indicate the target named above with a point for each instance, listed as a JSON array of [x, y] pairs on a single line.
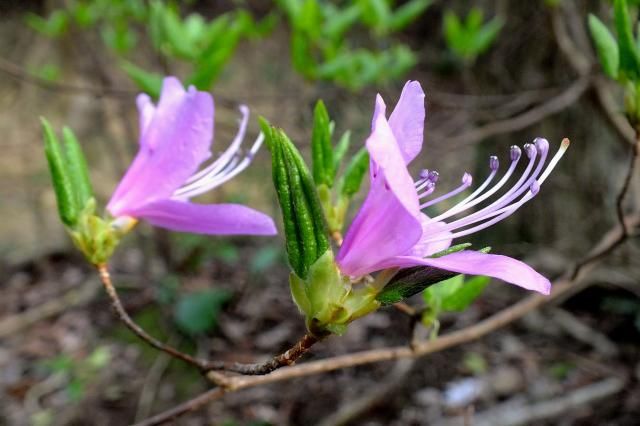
[[341, 150], [67, 207], [606, 47], [77, 167], [354, 174], [322, 151], [629, 60]]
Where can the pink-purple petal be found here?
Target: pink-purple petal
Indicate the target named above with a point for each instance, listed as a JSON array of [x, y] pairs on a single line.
[[477, 263], [385, 153], [212, 219], [175, 142], [407, 120], [383, 228], [388, 223], [431, 231], [146, 110]]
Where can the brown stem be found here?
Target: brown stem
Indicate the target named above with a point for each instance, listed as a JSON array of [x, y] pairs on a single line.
[[284, 359], [105, 277], [625, 186], [287, 358], [600, 251], [182, 409]]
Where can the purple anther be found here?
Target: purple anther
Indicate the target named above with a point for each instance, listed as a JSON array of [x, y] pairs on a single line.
[[530, 150], [494, 163], [515, 152], [535, 187], [542, 145], [467, 179]]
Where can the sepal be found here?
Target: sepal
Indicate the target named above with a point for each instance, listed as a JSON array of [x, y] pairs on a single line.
[[97, 237], [328, 300]]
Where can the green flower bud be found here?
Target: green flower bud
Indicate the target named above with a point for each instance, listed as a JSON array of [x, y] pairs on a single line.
[[303, 218]]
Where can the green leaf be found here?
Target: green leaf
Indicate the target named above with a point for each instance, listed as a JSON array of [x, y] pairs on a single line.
[[606, 46], [341, 149], [455, 294], [407, 13], [176, 36], [486, 35], [452, 249], [466, 294], [336, 25], [68, 208], [629, 61], [196, 313], [77, 168], [148, 82], [354, 173], [54, 26], [321, 149]]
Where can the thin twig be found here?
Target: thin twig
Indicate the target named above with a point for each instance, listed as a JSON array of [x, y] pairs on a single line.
[[625, 185], [182, 409], [24, 76], [287, 358], [600, 251], [105, 277], [554, 105]]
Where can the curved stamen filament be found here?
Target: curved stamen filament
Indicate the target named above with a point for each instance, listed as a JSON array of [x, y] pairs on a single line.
[[498, 211], [228, 155], [228, 165], [464, 204], [520, 186], [466, 182]]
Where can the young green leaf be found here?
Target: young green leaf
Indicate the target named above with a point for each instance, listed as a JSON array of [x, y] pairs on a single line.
[[407, 13], [455, 294], [629, 60], [77, 168], [340, 150], [68, 208], [148, 82], [606, 46], [354, 173], [321, 149]]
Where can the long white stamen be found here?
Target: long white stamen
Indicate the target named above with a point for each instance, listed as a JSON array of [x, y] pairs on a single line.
[[227, 166], [498, 211], [213, 168]]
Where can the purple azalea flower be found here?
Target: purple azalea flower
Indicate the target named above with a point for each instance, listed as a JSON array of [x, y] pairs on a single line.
[[392, 231], [175, 140]]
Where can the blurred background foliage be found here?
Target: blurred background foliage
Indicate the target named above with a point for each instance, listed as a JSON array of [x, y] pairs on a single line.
[[496, 73]]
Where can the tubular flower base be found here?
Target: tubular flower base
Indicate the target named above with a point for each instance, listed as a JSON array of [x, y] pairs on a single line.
[[175, 140], [391, 229]]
